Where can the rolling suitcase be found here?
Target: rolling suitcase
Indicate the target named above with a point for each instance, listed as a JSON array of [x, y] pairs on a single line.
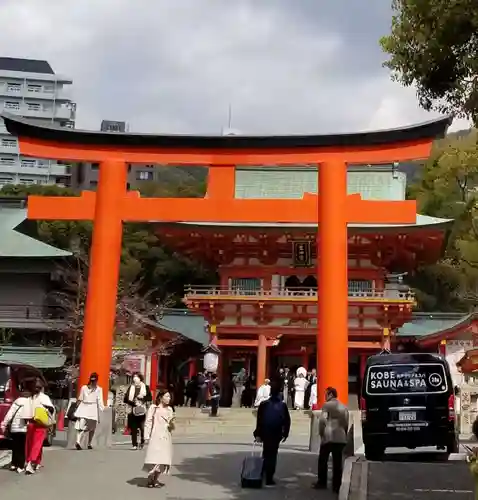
[[251, 474]]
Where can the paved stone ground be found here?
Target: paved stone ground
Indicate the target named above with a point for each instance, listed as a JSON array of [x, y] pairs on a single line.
[[419, 481], [203, 469]]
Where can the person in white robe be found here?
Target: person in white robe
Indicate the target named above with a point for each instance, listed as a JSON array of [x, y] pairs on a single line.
[[263, 393], [313, 397], [158, 428], [87, 414], [300, 385]]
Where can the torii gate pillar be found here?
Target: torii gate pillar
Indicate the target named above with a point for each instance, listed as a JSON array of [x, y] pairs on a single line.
[[103, 276]]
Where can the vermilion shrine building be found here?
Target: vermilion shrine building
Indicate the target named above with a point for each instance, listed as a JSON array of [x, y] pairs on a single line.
[[267, 272]]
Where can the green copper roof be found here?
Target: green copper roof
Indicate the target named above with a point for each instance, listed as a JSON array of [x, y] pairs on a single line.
[[40, 357], [292, 182], [425, 324], [16, 244]]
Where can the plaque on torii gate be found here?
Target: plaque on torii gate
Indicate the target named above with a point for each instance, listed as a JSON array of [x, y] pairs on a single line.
[[332, 209]]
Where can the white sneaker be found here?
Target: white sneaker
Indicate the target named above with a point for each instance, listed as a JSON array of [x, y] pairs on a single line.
[[134, 448], [20, 471], [29, 469]]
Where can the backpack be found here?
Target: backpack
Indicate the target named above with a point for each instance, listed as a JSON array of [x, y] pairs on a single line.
[[273, 416]]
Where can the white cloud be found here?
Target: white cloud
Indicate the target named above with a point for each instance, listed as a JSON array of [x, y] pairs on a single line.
[[175, 66]]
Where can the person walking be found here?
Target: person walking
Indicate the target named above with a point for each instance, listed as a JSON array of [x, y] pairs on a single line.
[[333, 430], [272, 427], [215, 394], [39, 412], [137, 398], [263, 393], [158, 429], [90, 407], [16, 426]]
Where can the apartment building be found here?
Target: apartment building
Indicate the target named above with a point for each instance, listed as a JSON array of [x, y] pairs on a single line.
[[85, 175], [32, 89]]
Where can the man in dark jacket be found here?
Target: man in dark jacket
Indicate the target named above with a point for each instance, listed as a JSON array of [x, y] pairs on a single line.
[[272, 427]]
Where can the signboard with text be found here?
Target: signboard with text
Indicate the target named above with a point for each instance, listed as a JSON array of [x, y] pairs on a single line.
[[429, 378]]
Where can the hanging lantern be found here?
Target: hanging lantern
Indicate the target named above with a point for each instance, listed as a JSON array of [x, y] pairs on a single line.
[[211, 358]]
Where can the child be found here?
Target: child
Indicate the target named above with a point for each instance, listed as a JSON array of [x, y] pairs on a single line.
[[158, 428], [18, 432]]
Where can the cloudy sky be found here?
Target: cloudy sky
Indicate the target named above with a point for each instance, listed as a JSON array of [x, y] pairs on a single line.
[[284, 66]]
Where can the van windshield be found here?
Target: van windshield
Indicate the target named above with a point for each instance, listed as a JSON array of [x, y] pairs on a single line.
[[4, 377], [429, 378]]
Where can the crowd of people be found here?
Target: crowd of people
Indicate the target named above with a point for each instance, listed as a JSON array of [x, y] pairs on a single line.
[[31, 414], [26, 424]]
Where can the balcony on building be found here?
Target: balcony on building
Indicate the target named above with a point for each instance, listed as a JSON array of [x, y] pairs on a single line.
[[244, 289], [48, 91]]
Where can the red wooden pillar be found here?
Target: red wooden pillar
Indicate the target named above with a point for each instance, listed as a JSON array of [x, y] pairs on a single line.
[[192, 368], [153, 382], [305, 359], [261, 359], [442, 347], [100, 311]]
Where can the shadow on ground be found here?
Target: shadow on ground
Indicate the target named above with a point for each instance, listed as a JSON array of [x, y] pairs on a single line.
[[219, 474]]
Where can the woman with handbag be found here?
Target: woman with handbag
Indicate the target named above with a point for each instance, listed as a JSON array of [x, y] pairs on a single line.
[[14, 427], [40, 414], [158, 429], [87, 414], [137, 398]]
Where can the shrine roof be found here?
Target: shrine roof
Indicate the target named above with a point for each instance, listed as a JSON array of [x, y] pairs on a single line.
[[182, 322], [22, 127], [423, 222], [431, 328], [14, 243], [426, 324]]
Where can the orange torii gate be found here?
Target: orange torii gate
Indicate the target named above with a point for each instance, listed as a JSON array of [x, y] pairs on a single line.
[[332, 208]]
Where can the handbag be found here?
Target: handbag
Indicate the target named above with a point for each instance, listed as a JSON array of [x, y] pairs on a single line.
[[8, 429], [70, 415], [139, 411], [41, 417]]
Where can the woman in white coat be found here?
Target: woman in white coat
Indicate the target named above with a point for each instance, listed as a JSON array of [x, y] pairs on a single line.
[[158, 428], [90, 407]]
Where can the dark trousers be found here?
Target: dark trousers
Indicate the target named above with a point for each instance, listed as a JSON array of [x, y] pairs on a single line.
[[270, 449], [214, 406], [337, 451], [18, 449], [136, 424]]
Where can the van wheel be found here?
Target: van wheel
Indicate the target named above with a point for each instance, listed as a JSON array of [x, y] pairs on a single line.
[[374, 452]]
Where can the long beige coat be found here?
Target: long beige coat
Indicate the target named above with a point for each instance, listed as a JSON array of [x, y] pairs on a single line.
[[160, 446]]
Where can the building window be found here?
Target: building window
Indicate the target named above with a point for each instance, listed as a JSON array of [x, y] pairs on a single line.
[[9, 143], [7, 161], [50, 89], [5, 180], [144, 176], [12, 105], [26, 182], [28, 163], [14, 87], [246, 286], [31, 106], [93, 184], [360, 286], [34, 88], [95, 166]]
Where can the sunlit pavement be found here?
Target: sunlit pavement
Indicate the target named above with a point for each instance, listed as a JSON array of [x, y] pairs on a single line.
[[203, 469]]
